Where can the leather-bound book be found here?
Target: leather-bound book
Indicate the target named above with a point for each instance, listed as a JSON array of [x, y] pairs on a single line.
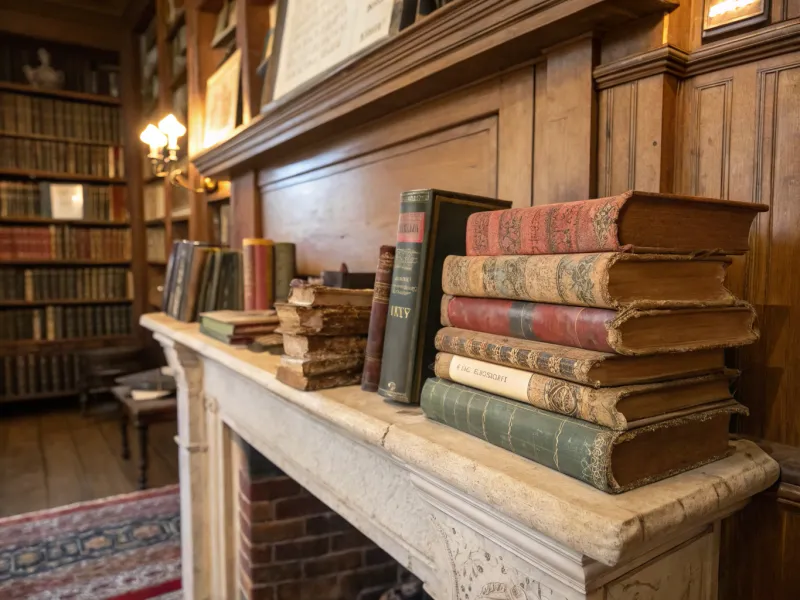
[[631, 332], [431, 226], [258, 263], [602, 280], [324, 320], [320, 382], [285, 269], [325, 365], [618, 408], [377, 320], [611, 461], [588, 367], [313, 346], [633, 221], [309, 294]]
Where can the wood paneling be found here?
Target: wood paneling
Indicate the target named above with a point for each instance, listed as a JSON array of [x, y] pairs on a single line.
[[711, 135], [344, 212], [569, 131]]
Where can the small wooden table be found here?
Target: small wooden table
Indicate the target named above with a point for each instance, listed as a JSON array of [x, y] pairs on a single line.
[[142, 413]]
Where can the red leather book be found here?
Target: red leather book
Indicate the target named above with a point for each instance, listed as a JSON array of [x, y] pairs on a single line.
[[574, 326], [371, 376], [633, 221]]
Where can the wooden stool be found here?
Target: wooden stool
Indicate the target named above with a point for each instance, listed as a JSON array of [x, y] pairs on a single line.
[[142, 413]]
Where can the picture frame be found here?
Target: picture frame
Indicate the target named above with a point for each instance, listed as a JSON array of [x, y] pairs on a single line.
[[66, 201], [724, 16], [223, 90]]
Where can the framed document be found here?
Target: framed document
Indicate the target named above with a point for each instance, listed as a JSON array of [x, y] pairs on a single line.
[[317, 34], [722, 16], [66, 200], [222, 100]]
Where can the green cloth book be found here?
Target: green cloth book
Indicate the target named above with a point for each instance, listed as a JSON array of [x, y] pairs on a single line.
[[431, 226], [611, 461]]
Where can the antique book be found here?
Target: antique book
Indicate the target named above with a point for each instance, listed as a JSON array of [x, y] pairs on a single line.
[[377, 320], [258, 264], [618, 408], [611, 461], [604, 280], [589, 367], [323, 320], [195, 267], [313, 367], [633, 221], [305, 294], [309, 346], [319, 382], [228, 322], [271, 342], [631, 331], [430, 227], [285, 269]]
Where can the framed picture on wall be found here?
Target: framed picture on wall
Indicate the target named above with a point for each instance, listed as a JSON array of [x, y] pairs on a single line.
[[723, 16], [65, 200], [222, 100]]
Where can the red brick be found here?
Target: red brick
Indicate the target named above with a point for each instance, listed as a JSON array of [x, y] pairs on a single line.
[[260, 554], [255, 591], [349, 539], [367, 577], [276, 572], [332, 563], [268, 488], [376, 556], [324, 588], [303, 548], [276, 531], [329, 523], [302, 506], [373, 593]]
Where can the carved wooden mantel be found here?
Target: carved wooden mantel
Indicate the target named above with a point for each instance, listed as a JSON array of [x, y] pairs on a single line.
[[470, 519]]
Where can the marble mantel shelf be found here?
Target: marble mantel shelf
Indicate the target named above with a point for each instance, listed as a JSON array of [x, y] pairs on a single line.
[[574, 538]]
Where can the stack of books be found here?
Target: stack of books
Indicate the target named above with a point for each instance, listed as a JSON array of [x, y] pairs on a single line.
[[239, 327], [324, 336], [589, 336]]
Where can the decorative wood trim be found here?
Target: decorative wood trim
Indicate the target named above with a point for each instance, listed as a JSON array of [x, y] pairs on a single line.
[[665, 60], [770, 41], [459, 44]]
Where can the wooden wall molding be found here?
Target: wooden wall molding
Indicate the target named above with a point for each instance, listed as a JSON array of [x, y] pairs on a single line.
[[780, 38], [459, 44]]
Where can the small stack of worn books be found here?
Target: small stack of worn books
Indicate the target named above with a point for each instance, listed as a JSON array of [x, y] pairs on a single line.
[[324, 335], [241, 327], [589, 336]]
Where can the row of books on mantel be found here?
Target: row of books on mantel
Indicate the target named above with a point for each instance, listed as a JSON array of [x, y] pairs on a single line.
[[588, 337]]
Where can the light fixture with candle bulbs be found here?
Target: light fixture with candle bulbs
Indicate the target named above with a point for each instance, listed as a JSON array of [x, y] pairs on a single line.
[[166, 135]]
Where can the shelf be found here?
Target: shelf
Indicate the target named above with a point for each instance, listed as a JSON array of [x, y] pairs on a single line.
[[64, 94], [56, 138], [157, 263], [33, 174], [151, 222], [49, 221], [60, 261], [179, 218], [177, 23], [39, 396], [225, 37], [99, 340], [25, 303]]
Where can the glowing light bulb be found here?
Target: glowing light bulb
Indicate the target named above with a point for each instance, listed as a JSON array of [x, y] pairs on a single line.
[[154, 138], [173, 129]]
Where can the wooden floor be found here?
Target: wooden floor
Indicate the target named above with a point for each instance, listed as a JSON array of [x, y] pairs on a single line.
[[54, 456]]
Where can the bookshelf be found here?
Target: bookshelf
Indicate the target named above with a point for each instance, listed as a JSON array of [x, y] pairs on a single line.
[[66, 284]]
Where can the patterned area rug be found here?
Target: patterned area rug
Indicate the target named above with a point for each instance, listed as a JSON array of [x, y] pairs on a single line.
[[120, 548]]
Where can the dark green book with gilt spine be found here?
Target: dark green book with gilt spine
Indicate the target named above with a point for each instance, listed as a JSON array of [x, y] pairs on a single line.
[[432, 225], [611, 461]]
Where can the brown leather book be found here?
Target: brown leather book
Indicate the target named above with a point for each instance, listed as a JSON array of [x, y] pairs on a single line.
[[305, 294], [588, 367], [319, 382], [312, 346], [314, 367], [602, 280], [377, 320], [327, 320]]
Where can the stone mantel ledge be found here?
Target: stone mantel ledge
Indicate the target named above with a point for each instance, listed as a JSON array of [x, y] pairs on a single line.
[[607, 528]]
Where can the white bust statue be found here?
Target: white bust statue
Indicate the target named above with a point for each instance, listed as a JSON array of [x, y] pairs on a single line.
[[44, 76]]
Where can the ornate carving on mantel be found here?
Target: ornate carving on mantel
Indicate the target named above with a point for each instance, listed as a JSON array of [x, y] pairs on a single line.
[[769, 41], [420, 63]]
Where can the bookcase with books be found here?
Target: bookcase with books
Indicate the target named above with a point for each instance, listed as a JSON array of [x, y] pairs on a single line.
[[66, 244]]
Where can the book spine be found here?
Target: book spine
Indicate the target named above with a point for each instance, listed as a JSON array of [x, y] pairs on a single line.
[[377, 320], [257, 263], [570, 227], [402, 325], [569, 446], [577, 279], [285, 269], [548, 393], [579, 327]]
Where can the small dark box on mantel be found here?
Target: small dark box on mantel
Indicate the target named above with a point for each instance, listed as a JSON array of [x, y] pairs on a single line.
[[343, 278]]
